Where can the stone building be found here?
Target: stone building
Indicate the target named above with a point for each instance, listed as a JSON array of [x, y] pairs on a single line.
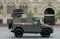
[[44, 9]]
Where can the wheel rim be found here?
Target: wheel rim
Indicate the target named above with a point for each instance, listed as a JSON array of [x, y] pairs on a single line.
[[46, 32], [18, 33]]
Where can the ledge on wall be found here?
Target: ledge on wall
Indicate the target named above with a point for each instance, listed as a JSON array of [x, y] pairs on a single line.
[[57, 24], [3, 24]]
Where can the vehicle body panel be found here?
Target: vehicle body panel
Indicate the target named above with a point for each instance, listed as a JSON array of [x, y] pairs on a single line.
[[28, 25]]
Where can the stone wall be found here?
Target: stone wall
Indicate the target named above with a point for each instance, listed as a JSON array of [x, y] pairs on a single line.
[[39, 5]]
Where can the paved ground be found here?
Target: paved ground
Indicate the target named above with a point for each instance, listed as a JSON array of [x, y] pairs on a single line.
[[6, 34]]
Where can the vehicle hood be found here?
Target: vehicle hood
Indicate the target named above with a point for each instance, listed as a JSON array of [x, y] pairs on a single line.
[[46, 25]]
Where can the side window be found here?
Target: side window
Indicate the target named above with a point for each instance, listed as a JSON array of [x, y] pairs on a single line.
[[35, 22], [22, 20], [29, 20]]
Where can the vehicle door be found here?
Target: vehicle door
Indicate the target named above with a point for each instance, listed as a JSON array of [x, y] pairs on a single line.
[[29, 26], [36, 25]]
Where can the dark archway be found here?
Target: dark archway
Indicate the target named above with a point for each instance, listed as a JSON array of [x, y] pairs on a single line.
[[49, 11], [10, 7], [49, 19], [1, 7]]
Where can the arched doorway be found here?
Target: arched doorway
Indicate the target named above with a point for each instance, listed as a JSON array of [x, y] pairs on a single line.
[[10, 7], [49, 16], [1, 7], [49, 11]]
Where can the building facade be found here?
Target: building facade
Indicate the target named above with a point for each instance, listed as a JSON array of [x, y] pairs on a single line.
[[46, 10]]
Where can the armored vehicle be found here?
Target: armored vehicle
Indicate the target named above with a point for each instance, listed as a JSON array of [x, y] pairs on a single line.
[[19, 25]]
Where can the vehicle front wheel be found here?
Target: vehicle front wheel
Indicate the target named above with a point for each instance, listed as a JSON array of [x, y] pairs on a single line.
[[45, 33], [18, 33]]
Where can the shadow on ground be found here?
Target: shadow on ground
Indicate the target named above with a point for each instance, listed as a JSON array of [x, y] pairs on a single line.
[[31, 37]]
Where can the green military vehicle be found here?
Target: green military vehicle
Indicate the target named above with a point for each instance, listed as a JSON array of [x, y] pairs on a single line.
[[28, 25]]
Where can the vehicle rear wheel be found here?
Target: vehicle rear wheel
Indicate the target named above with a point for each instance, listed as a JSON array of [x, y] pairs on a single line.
[[18, 33], [45, 33]]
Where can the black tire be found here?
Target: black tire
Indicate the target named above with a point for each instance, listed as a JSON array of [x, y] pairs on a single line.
[[45, 33], [18, 33]]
